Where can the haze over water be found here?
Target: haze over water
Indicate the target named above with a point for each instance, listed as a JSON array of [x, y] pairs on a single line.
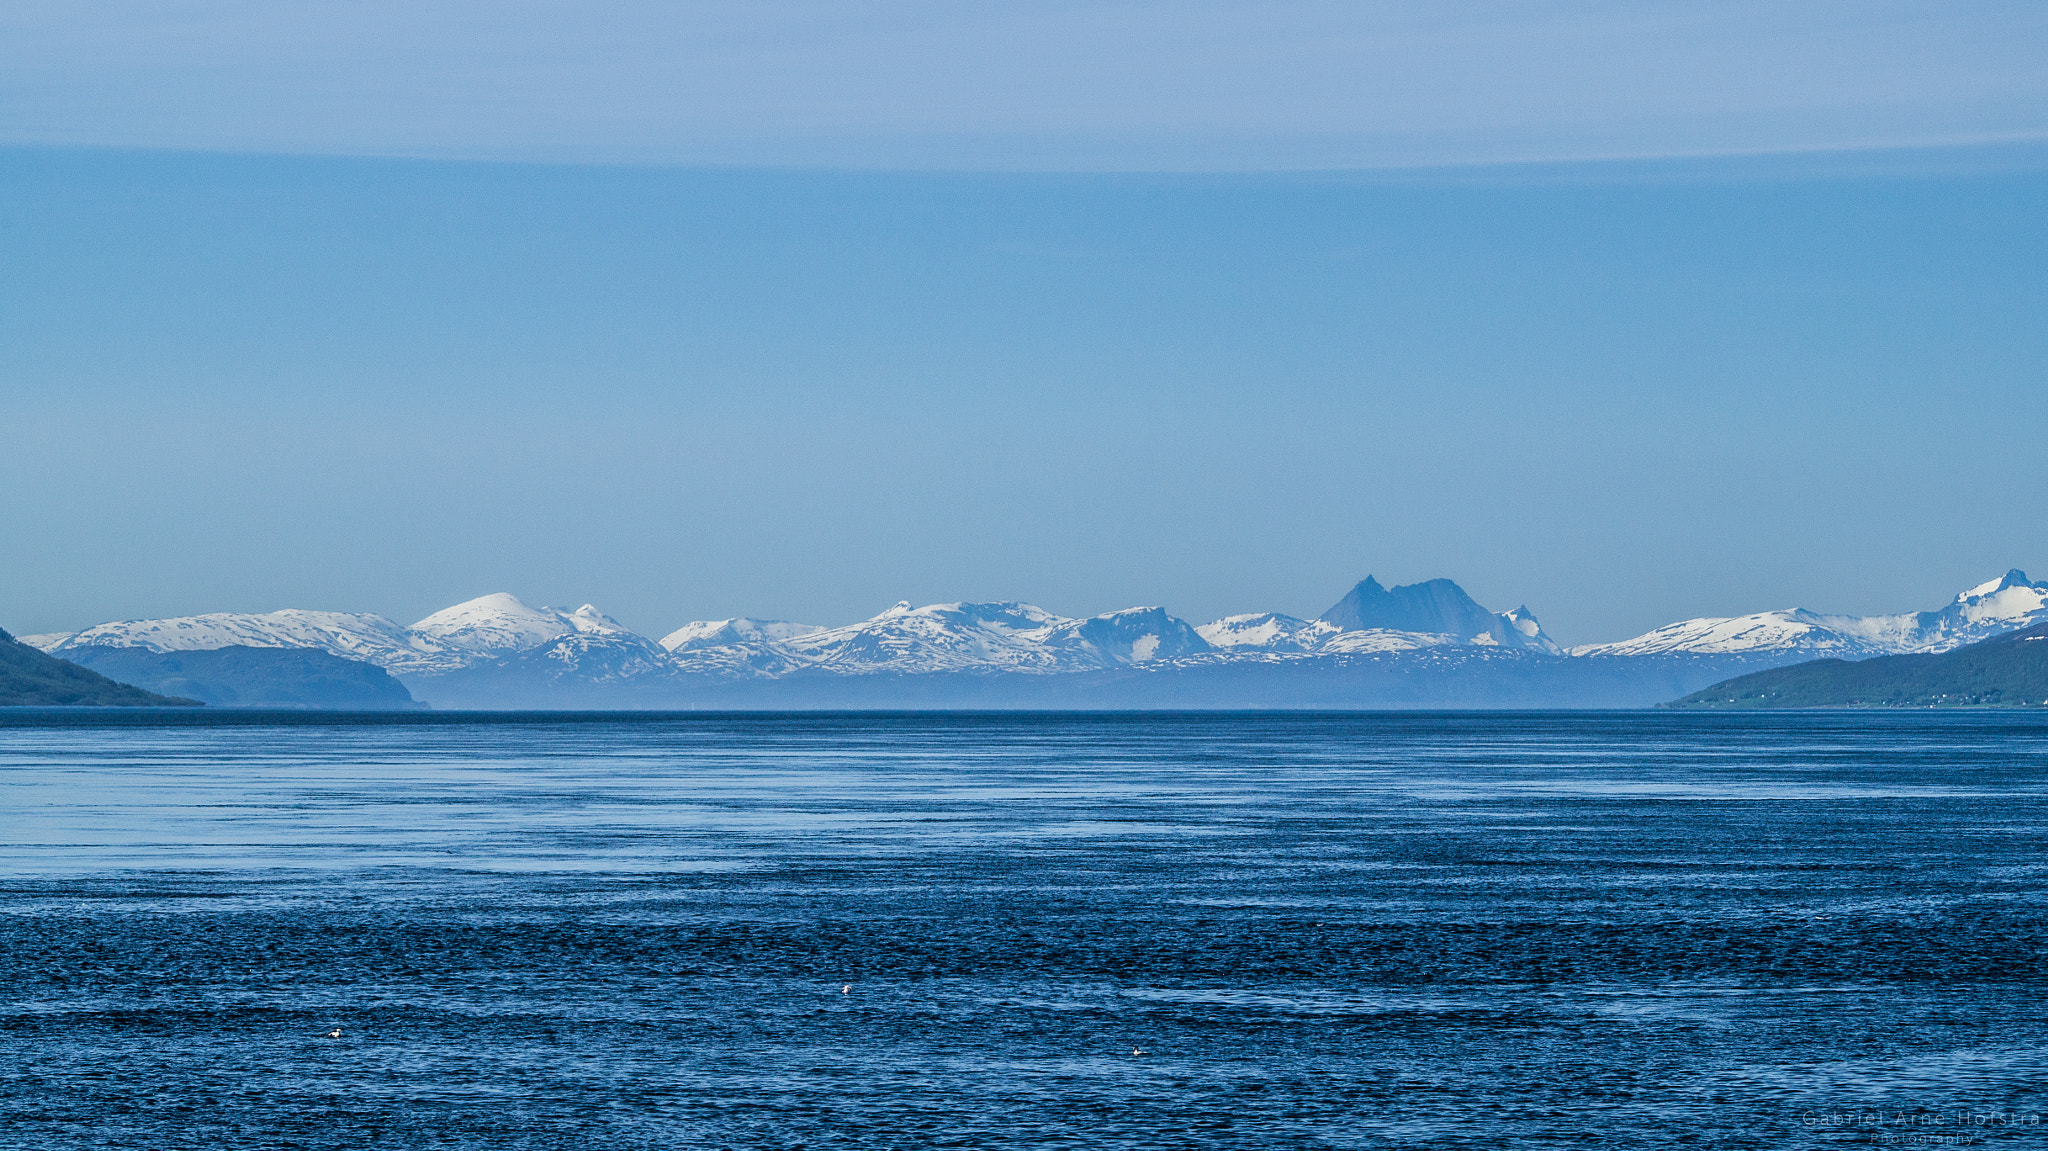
[[1024, 930]]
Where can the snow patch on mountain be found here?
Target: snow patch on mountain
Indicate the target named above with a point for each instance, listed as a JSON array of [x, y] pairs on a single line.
[[1522, 622], [1267, 631], [1376, 640], [48, 641]]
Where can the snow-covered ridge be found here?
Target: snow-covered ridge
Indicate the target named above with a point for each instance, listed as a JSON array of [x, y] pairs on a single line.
[[1372, 618], [371, 638], [993, 637], [2004, 604], [1268, 631], [722, 632], [478, 630]]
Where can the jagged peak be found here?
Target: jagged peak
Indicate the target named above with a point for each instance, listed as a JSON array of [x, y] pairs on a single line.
[[2011, 579]]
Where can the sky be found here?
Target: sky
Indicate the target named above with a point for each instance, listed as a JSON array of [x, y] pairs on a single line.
[[1630, 313]]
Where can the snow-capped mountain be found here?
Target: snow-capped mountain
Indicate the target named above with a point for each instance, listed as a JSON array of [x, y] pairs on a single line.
[[485, 628], [1994, 607], [370, 638], [1793, 631], [726, 632], [2004, 604], [1435, 607], [993, 637], [1372, 618], [1137, 635], [737, 648], [938, 637], [1267, 631], [501, 623]]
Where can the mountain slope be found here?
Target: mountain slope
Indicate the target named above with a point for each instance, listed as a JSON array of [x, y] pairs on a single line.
[[253, 676], [29, 678], [2010, 670], [1122, 638], [1793, 633]]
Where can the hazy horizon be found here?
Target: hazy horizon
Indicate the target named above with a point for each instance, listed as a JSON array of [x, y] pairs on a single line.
[[1629, 314]]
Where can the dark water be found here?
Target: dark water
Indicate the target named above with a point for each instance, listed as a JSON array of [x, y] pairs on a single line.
[[907, 931]]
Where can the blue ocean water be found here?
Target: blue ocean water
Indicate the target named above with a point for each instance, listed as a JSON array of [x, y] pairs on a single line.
[[1076, 930]]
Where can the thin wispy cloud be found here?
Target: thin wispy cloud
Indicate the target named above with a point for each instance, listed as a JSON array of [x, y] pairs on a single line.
[[1089, 86]]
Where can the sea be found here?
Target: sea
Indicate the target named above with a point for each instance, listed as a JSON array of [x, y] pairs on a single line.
[[1085, 930]]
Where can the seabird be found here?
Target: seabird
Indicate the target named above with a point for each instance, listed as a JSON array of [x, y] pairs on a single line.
[[334, 1034], [846, 990]]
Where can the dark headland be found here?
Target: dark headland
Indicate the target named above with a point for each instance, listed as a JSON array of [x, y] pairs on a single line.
[[28, 678], [2010, 670]]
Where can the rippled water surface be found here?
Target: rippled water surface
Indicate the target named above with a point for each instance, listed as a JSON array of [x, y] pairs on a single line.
[[1478, 930]]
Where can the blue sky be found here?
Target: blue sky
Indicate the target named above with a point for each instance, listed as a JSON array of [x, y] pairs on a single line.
[[727, 314]]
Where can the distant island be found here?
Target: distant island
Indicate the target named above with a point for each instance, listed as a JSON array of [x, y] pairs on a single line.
[[244, 676]]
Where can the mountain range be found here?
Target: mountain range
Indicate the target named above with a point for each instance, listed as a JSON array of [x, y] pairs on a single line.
[[1424, 644]]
